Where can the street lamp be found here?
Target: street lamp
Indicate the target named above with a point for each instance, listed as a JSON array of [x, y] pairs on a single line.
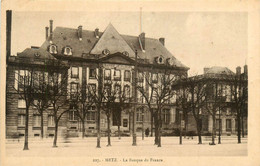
[[181, 124], [142, 124]]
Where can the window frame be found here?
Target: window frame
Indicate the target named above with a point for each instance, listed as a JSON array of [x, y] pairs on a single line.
[[90, 73], [51, 121], [38, 120], [107, 77], [73, 75], [21, 122], [23, 106], [65, 52], [117, 78], [125, 78]]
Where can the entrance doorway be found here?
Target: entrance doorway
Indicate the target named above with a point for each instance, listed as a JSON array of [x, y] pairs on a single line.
[[116, 117]]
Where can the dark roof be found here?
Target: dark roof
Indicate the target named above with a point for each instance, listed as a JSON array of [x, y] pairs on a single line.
[[33, 53], [63, 37], [219, 70]]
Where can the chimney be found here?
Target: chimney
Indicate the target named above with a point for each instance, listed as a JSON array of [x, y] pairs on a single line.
[[238, 70], [162, 40], [206, 69], [47, 32], [97, 33], [51, 32], [142, 41], [80, 32], [245, 69]]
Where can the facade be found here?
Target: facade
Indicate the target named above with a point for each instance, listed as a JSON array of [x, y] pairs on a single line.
[[87, 54], [218, 85]]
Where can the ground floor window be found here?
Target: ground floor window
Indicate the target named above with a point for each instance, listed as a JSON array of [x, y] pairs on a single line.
[[91, 115], [73, 115], [51, 122], [36, 120], [228, 124], [125, 122], [139, 117], [219, 124], [166, 116], [21, 120]]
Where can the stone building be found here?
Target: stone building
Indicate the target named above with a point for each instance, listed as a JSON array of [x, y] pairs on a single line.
[[85, 52], [217, 90]]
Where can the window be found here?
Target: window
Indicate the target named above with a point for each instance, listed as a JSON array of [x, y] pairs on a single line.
[[117, 75], [118, 92], [73, 90], [51, 122], [21, 103], [166, 116], [127, 91], [140, 77], [106, 52], [107, 90], [218, 125], [139, 113], [91, 114], [21, 120], [127, 76], [92, 73], [36, 120], [74, 72], [228, 124], [92, 88], [155, 77], [107, 74], [23, 79], [73, 115], [125, 122], [53, 49], [67, 51]]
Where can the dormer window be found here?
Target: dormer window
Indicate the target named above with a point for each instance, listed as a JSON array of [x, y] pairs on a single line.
[[125, 53], [37, 55], [53, 49], [106, 52], [159, 60], [67, 51], [170, 61]]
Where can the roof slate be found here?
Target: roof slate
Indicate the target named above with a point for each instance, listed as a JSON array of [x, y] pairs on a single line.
[[63, 37]]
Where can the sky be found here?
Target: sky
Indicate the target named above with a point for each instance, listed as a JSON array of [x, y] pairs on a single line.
[[197, 39]]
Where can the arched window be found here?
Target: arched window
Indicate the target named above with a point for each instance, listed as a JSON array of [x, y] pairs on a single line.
[[53, 49], [67, 51]]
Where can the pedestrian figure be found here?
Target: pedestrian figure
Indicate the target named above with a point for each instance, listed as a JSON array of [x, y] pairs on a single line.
[[147, 132]]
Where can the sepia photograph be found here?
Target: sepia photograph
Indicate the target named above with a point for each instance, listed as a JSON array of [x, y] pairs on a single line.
[[136, 87]]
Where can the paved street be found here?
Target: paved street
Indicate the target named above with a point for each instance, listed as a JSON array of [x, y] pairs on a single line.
[[77, 147]]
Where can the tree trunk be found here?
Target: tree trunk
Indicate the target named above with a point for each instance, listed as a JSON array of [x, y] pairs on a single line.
[[242, 125], [83, 129], [119, 132], [108, 131], [213, 130], [186, 126], [26, 147], [98, 128], [42, 125], [55, 135], [156, 140], [238, 130], [199, 132], [159, 129], [151, 123]]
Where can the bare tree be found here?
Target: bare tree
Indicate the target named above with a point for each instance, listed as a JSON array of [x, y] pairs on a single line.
[[239, 95], [82, 100], [41, 95], [160, 95], [58, 81], [24, 79]]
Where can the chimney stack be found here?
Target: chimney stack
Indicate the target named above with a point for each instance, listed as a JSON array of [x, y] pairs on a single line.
[[47, 32], [162, 40], [238, 70], [51, 32], [206, 69], [80, 32], [142, 41], [245, 69], [97, 33]]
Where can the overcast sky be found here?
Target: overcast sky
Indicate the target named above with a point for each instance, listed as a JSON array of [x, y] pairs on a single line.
[[197, 39]]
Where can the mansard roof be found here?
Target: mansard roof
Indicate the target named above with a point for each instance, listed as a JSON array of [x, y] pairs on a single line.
[[63, 37], [219, 70]]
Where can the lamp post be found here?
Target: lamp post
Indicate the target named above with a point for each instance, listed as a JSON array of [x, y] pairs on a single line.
[[135, 99], [181, 124], [142, 124]]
